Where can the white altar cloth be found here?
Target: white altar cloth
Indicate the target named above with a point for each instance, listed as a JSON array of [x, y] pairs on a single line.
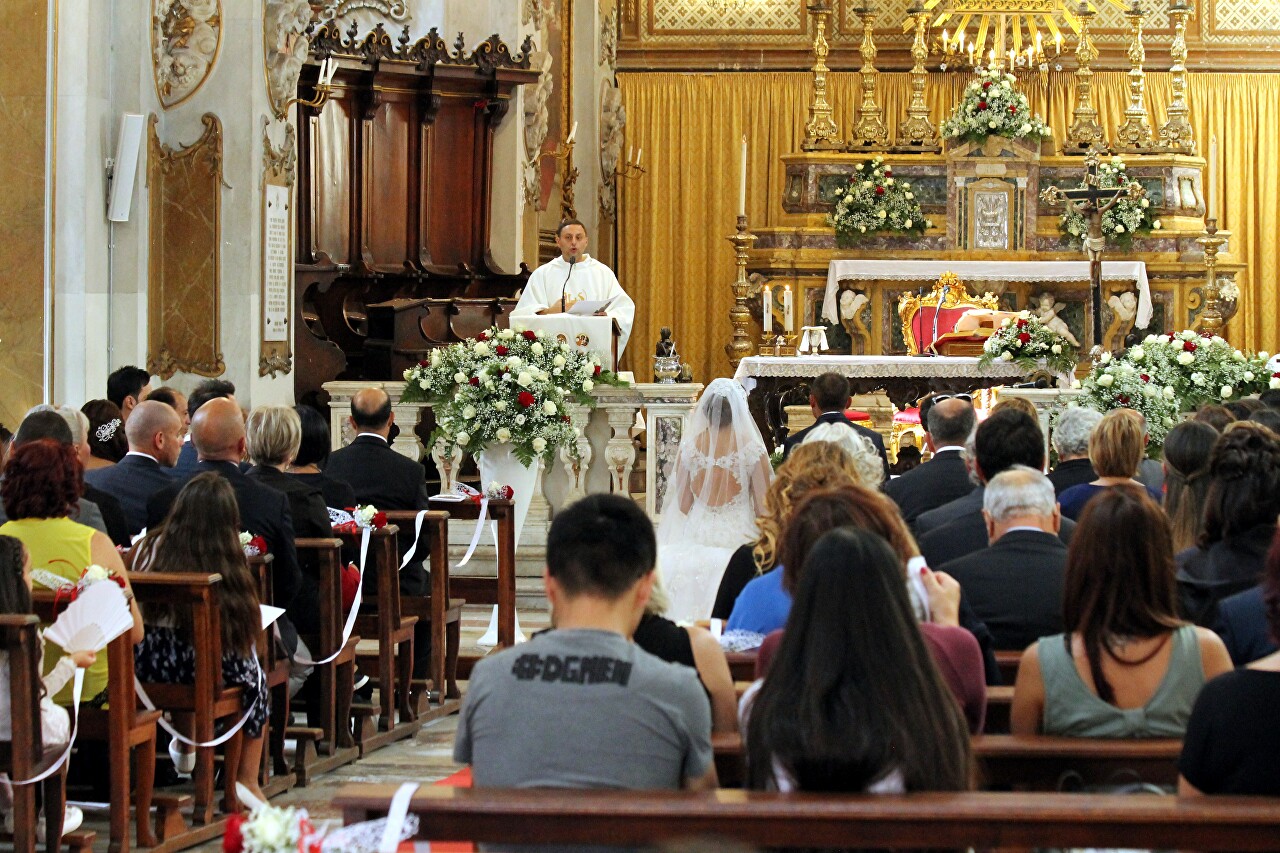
[[874, 367], [1135, 271]]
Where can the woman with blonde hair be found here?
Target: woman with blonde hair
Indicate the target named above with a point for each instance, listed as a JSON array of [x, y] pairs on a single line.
[[810, 467], [1117, 446]]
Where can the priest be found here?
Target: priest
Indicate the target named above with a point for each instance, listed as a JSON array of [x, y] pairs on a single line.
[[554, 287]]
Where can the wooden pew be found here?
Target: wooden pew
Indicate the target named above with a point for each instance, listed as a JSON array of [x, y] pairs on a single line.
[[276, 775], [386, 643], [335, 679], [1008, 662], [999, 710], [1032, 762], [25, 755], [439, 610], [766, 819], [742, 665], [124, 727], [209, 699]]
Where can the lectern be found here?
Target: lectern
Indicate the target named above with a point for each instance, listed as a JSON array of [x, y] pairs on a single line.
[[598, 335]]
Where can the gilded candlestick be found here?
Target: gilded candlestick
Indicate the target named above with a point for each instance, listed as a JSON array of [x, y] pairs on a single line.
[[1085, 132], [740, 314], [917, 132], [870, 132], [1211, 318], [1135, 133], [821, 133], [1176, 135]]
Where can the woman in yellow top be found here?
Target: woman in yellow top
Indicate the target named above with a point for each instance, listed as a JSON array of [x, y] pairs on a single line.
[[42, 483]]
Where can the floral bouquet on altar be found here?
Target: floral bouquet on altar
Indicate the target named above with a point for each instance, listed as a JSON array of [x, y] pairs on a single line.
[[1128, 216], [1172, 373], [875, 202], [506, 386], [991, 106], [1030, 343]]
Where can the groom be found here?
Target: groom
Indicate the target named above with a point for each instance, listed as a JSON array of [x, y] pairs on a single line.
[[828, 398]]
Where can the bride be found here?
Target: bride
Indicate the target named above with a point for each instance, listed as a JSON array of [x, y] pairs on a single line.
[[715, 490]]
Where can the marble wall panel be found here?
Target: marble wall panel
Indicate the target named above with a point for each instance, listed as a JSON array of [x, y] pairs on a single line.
[[23, 88]]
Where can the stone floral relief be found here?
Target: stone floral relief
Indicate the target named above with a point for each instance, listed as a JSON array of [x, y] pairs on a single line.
[[186, 37], [537, 100], [613, 121], [285, 47], [393, 10], [609, 39], [538, 12]]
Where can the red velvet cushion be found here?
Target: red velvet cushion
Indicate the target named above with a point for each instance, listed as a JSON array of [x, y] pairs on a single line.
[[855, 415], [907, 416], [922, 323]]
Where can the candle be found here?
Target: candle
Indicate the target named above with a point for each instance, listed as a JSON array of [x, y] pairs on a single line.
[[786, 309], [742, 180], [630, 151], [1057, 43], [946, 40], [767, 314], [1213, 176], [572, 133], [639, 154]]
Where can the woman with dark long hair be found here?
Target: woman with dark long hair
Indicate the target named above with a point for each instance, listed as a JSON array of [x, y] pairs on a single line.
[[202, 534], [1239, 521], [1187, 449], [1127, 666], [853, 701], [107, 441]]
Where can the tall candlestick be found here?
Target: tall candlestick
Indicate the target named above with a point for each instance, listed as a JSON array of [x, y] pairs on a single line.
[[742, 180], [767, 315], [787, 322], [1212, 197], [572, 133]]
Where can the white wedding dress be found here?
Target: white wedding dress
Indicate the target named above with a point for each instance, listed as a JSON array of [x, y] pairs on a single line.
[[715, 490]]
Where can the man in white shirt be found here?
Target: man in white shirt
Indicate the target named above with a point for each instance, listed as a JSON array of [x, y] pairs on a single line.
[[555, 286]]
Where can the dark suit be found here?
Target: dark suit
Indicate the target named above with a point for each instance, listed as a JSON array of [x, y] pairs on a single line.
[[949, 512], [1073, 472], [1015, 586], [1242, 625], [384, 478], [838, 418], [112, 514], [965, 535], [188, 458], [263, 512], [940, 480], [310, 521], [132, 481]]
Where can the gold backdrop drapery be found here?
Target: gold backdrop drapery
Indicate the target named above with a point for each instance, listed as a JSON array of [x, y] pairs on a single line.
[[675, 262]]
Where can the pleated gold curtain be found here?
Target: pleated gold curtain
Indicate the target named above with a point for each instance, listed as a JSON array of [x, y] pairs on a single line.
[[675, 262]]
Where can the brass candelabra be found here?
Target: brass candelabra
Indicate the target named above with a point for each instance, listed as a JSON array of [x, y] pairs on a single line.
[[1210, 319], [917, 132], [631, 168], [820, 132], [1176, 135], [740, 346], [324, 88], [1135, 133], [1085, 133], [564, 152], [870, 131]]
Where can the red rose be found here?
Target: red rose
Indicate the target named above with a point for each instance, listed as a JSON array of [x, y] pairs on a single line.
[[530, 335], [566, 418], [1206, 334], [424, 363], [501, 350], [1012, 108], [1189, 346], [1024, 338], [1022, 324], [232, 840], [526, 399], [379, 520], [474, 380], [1124, 399], [888, 174], [986, 84], [1145, 378], [879, 190], [483, 336], [982, 105], [596, 372]]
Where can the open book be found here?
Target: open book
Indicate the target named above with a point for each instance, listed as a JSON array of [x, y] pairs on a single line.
[[587, 307]]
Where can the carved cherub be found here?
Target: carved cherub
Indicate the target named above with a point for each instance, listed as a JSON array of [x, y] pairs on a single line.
[[1047, 310], [1124, 307]]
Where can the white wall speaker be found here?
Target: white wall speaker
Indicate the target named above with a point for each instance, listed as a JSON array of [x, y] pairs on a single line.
[[125, 167]]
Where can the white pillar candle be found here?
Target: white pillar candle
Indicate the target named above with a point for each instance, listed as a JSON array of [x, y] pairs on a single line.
[[639, 154], [786, 309], [1212, 168], [742, 180], [572, 133], [767, 314]]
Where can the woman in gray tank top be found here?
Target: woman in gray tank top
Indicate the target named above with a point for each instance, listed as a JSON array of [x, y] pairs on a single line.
[[1129, 667]]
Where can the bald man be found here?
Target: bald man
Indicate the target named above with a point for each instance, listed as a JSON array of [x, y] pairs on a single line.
[[948, 420], [217, 431], [384, 478], [155, 432]]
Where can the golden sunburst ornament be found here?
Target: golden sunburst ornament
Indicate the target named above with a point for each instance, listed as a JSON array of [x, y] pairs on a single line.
[[1021, 32]]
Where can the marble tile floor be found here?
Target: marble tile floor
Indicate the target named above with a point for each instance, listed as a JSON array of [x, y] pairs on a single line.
[[426, 758]]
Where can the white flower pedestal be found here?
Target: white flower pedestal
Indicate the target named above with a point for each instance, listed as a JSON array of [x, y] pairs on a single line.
[[499, 464]]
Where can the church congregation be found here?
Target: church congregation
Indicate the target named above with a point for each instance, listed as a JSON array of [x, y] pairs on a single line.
[[394, 456]]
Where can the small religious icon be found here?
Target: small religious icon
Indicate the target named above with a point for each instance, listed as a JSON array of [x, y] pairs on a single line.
[[583, 339], [1047, 310], [666, 347], [562, 338]]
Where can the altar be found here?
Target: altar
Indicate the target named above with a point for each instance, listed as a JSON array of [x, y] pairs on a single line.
[[772, 383]]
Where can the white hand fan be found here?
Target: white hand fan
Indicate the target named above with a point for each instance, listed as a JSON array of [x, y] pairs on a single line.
[[98, 615]]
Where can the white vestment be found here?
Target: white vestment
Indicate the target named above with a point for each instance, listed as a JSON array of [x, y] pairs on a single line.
[[590, 280]]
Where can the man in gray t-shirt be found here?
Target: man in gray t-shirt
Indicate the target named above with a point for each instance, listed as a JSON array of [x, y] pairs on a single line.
[[582, 706]]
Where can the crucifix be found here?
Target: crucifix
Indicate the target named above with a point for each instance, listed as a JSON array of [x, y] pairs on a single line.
[[1091, 202]]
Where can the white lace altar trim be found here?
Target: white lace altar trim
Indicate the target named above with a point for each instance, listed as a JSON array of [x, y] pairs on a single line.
[[874, 367], [978, 271]]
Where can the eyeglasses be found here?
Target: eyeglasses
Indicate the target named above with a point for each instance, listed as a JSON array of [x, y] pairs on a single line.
[[968, 398]]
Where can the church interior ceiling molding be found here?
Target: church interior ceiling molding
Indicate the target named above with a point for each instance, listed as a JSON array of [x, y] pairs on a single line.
[[186, 38], [185, 203], [1232, 35], [393, 10]]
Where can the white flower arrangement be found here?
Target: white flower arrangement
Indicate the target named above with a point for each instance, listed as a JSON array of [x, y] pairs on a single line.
[[1172, 373], [476, 385], [1127, 217], [1029, 342], [874, 202], [1228, 290], [992, 106]]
